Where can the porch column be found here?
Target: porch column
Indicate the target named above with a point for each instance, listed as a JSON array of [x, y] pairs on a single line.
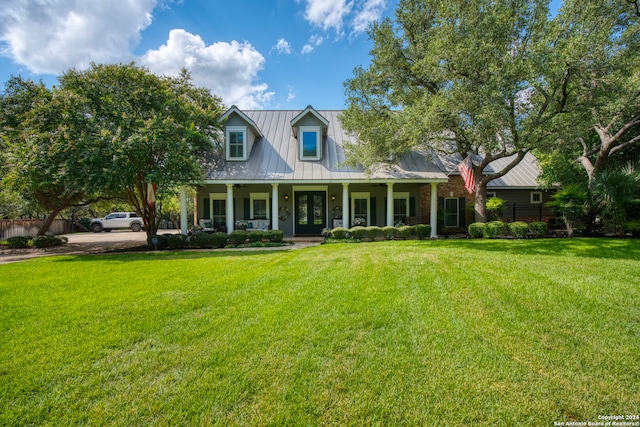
[[230, 214], [345, 205], [433, 220], [390, 204], [183, 211], [275, 222]]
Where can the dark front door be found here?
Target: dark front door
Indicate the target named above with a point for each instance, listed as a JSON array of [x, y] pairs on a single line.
[[311, 213]]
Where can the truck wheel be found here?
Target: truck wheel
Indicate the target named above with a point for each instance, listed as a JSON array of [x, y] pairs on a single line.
[[136, 227], [96, 227]]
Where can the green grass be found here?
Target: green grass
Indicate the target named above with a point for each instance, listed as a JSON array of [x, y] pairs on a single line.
[[388, 333]]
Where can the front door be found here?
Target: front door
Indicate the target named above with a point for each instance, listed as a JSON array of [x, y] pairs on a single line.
[[311, 212]]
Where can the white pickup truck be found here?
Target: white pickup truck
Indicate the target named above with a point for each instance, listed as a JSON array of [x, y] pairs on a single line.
[[117, 220]]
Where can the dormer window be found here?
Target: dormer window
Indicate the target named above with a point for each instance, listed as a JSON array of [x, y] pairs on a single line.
[[236, 137], [310, 143]]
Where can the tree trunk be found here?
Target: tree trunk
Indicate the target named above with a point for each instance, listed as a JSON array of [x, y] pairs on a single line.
[[480, 205], [48, 220]]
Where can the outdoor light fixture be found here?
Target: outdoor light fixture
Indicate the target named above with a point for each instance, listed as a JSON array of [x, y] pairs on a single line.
[[286, 197], [333, 197]]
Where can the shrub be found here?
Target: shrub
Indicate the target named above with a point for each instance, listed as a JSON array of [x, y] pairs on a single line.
[[540, 229], [255, 236], [495, 208], [339, 233], [274, 236], [632, 227], [218, 239], [238, 237], [519, 229], [163, 241], [177, 241], [406, 231], [357, 232], [18, 242], [373, 231], [389, 232], [495, 229], [476, 230], [423, 231], [46, 241], [206, 240]]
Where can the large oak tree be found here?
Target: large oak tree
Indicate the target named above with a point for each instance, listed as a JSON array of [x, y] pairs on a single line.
[[456, 77]]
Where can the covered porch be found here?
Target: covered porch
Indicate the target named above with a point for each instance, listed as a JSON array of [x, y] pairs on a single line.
[[303, 208]]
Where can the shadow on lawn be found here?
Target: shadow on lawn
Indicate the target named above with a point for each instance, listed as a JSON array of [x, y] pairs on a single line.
[[608, 248], [165, 255]]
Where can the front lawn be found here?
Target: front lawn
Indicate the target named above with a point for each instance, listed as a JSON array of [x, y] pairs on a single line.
[[389, 333]]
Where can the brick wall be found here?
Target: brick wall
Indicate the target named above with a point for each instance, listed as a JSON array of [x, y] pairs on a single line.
[[453, 188]]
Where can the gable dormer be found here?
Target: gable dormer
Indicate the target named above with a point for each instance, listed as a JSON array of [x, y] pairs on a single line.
[[240, 133], [310, 129]]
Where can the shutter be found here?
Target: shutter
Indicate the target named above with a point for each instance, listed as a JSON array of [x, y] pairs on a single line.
[[247, 208], [462, 214], [206, 208], [440, 214], [373, 213], [412, 206]]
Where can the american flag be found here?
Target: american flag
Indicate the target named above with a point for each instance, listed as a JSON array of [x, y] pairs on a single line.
[[466, 171]]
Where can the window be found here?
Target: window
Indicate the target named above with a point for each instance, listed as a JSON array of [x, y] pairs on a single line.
[[236, 143], [451, 213], [218, 210], [259, 205], [400, 207], [536, 197], [360, 209], [310, 143], [491, 194]]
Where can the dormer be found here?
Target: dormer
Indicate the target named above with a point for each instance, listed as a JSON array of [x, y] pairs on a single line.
[[310, 129], [240, 133]]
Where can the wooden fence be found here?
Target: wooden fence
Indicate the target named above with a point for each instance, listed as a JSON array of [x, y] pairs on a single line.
[[30, 227]]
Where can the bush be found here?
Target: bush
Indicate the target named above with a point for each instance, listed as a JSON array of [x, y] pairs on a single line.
[[274, 236], [389, 232], [255, 236], [476, 230], [495, 208], [201, 240], [46, 241], [423, 231], [540, 229], [373, 231], [163, 242], [495, 229], [519, 229], [177, 241], [218, 239], [238, 237], [18, 242], [339, 233], [406, 231], [357, 232]]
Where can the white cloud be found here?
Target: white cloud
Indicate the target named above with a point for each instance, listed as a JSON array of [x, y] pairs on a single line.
[[314, 40], [282, 47], [292, 94], [52, 36], [370, 12], [327, 14], [227, 69], [332, 14]]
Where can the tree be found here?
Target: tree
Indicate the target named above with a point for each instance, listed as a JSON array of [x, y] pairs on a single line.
[[456, 77], [597, 45], [152, 130], [47, 136]]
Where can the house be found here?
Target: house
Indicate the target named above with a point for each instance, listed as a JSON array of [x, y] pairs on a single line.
[[285, 170]]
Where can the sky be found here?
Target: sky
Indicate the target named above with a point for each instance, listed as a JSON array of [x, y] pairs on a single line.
[[256, 54]]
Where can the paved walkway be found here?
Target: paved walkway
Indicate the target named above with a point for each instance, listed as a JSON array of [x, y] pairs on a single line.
[[99, 243]]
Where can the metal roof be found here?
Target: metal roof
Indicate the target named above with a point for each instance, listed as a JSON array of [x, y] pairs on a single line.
[[274, 156]]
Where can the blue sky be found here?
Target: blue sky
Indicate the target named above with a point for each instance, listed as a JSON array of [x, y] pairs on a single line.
[[258, 54]]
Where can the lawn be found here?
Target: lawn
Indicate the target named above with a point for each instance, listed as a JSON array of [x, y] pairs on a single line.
[[389, 333]]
